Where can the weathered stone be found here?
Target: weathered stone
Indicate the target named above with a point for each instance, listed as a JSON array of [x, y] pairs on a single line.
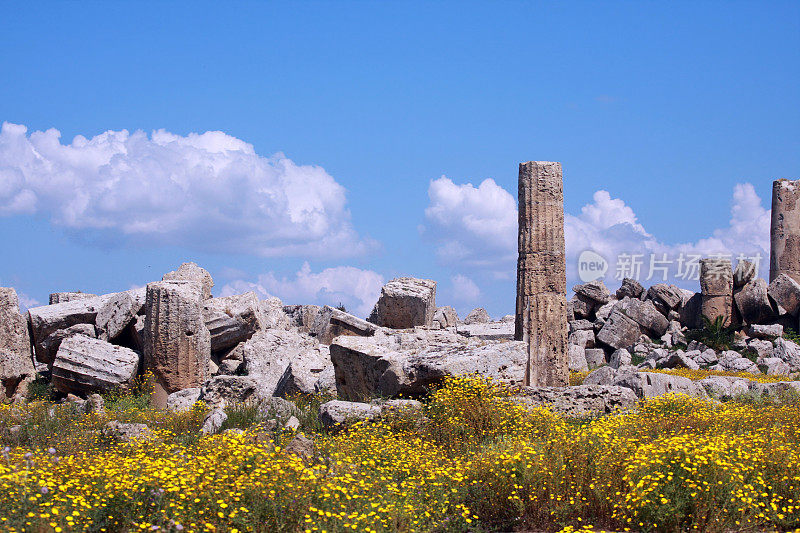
[[595, 291], [269, 354], [183, 400], [273, 315], [491, 331], [680, 360], [405, 303], [707, 357], [447, 317], [595, 357], [788, 352], [752, 302], [128, 432], [192, 272], [232, 319], [333, 322], [621, 357], [630, 288], [785, 292], [397, 405], [579, 401], [309, 372], [583, 338], [784, 234], [84, 364], [603, 375], [408, 363], [60, 297], [669, 296], [119, 312], [47, 319], [213, 422], [645, 314], [724, 387], [293, 424], [582, 307], [649, 384], [16, 360], [53, 341], [764, 331], [716, 287], [177, 344], [776, 366], [302, 317], [689, 313], [541, 312], [232, 390], [619, 331], [744, 273], [580, 325], [337, 413], [734, 362], [577, 358], [477, 316]]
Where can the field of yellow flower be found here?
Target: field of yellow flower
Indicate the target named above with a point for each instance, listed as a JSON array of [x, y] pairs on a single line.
[[473, 460]]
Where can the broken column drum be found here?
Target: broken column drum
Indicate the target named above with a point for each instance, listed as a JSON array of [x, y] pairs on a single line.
[[784, 231], [541, 317], [716, 288]]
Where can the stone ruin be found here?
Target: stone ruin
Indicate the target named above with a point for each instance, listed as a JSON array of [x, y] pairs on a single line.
[[241, 348]]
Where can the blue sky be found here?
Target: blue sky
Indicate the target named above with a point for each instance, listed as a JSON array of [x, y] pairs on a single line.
[[671, 108]]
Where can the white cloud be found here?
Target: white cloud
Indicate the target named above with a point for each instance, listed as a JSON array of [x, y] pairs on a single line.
[[606, 225], [26, 302], [471, 226], [357, 289], [207, 191], [464, 289]]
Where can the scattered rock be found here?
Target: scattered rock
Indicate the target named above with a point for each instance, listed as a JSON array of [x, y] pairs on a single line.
[[620, 357], [338, 413], [405, 303], [595, 291], [619, 331], [408, 363], [763, 331], [213, 422], [646, 315], [785, 292], [580, 401], [604, 375], [744, 273], [84, 364], [16, 360], [629, 288], [301, 446], [477, 316], [232, 319], [491, 331], [649, 384], [446, 317], [118, 312], [595, 357], [577, 358], [752, 302], [183, 400], [122, 432], [333, 322], [192, 272]]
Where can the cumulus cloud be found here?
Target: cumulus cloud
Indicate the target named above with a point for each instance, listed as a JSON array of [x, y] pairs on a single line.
[[464, 290], [471, 226], [357, 289], [207, 191], [607, 226], [26, 302]]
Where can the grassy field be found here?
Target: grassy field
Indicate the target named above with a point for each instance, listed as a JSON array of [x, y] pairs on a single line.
[[471, 461]]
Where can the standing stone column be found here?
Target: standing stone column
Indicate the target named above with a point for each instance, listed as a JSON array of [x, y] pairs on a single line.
[[16, 361], [541, 319], [177, 345], [784, 231], [716, 289]]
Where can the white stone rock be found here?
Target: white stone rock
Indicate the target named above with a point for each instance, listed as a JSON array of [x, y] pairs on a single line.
[[85, 364], [405, 303]]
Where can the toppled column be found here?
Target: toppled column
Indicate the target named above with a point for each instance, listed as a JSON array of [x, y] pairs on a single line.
[[16, 361], [541, 318], [716, 289], [784, 230], [177, 344]]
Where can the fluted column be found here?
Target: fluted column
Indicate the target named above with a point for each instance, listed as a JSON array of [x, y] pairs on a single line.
[[541, 318]]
